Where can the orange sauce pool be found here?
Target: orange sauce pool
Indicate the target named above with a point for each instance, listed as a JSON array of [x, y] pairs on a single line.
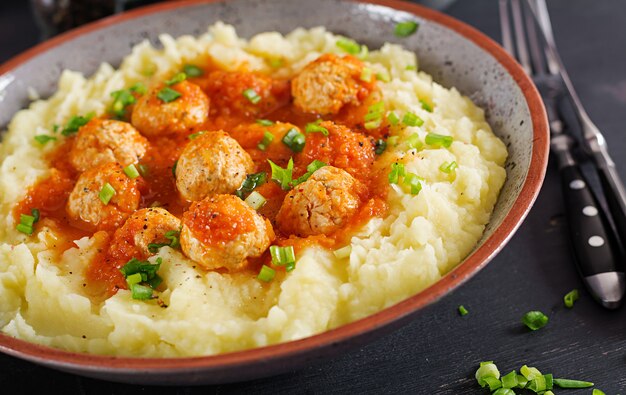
[[349, 146]]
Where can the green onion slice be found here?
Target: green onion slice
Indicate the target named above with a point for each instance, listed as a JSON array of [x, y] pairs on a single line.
[[534, 320], [504, 391], [139, 88], [597, 392], [393, 140], [266, 141], [178, 77], [251, 182], [283, 256], [393, 119], [25, 229], [397, 171], [75, 123], [131, 171], [264, 122], [426, 106], [168, 95], [174, 241], [255, 200], [343, 252], [143, 169], [366, 74], [567, 383], [405, 29], [194, 136], [410, 119], [251, 95], [380, 146], [570, 297], [462, 310], [383, 76], [509, 380], [411, 67], [282, 176], [310, 169], [192, 70], [266, 274], [487, 370], [414, 142], [413, 181], [349, 46], [141, 292], [121, 99], [438, 140], [106, 193], [448, 167], [44, 138], [530, 372], [294, 140], [314, 127]]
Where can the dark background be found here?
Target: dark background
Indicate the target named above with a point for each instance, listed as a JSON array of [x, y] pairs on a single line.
[[439, 351]]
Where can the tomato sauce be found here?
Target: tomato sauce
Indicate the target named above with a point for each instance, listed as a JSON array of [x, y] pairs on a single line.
[[348, 146]]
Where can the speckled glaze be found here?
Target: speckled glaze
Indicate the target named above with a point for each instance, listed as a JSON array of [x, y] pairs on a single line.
[[454, 53]]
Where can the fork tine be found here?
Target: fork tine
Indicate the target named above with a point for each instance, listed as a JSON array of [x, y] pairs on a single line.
[[533, 41], [505, 26], [520, 37], [541, 11]]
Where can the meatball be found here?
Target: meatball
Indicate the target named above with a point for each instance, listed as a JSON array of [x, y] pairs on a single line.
[[154, 117], [84, 203], [210, 164], [144, 227], [320, 205], [328, 83], [103, 141], [222, 231]]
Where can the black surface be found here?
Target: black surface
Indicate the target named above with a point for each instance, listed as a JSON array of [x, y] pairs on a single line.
[[439, 351]]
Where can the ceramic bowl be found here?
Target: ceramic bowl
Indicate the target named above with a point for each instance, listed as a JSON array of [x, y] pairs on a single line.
[[454, 53]]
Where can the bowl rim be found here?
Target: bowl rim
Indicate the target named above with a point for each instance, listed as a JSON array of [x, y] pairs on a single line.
[[470, 266]]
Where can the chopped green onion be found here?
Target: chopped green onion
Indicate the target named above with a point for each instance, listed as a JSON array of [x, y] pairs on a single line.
[[192, 70], [493, 383], [194, 136], [374, 116], [283, 256], [168, 95], [405, 29], [131, 171], [373, 124], [143, 169], [310, 169], [55, 128], [282, 176], [35, 213], [376, 108], [75, 123], [426, 106], [530, 372], [264, 122], [413, 181], [255, 200], [141, 292], [266, 141], [174, 166], [133, 279], [138, 88], [549, 393], [538, 384], [448, 167], [136, 266], [534, 320], [294, 140], [393, 140], [343, 252], [314, 127], [27, 220], [121, 99], [366, 74], [106, 193], [266, 274], [380, 146], [397, 171], [509, 380], [521, 381], [570, 298], [504, 391], [251, 182], [178, 77], [462, 310], [393, 119], [252, 95], [174, 237], [349, 46], [44, 138], [438, 140], [596, 392], [567, 383], [549, 380], [363, 52], [414, 142], [275, 62], [486, 370], [411, 119], [411, 67], [383, 76], [24, 229]]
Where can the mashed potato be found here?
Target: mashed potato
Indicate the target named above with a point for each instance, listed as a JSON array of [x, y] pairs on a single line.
[[43, 297]]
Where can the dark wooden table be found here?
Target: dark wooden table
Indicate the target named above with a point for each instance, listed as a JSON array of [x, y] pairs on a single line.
[[439, 351]]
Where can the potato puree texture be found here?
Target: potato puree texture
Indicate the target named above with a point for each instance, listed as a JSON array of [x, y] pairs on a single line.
[[42, 294]]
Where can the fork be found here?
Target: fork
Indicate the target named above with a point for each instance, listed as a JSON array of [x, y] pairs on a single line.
[[596, 247]]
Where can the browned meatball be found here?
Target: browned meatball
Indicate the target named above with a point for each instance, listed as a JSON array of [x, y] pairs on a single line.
[[210, 164], [84, 203], [222, 231], [154, 117], [102, 141], [322, 204], [147, 226], [327, 84]]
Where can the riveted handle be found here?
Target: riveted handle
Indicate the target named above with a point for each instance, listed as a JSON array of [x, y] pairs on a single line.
[[593, 240]]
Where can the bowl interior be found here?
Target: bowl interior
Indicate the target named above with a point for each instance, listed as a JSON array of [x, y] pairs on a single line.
[[453, 59]]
